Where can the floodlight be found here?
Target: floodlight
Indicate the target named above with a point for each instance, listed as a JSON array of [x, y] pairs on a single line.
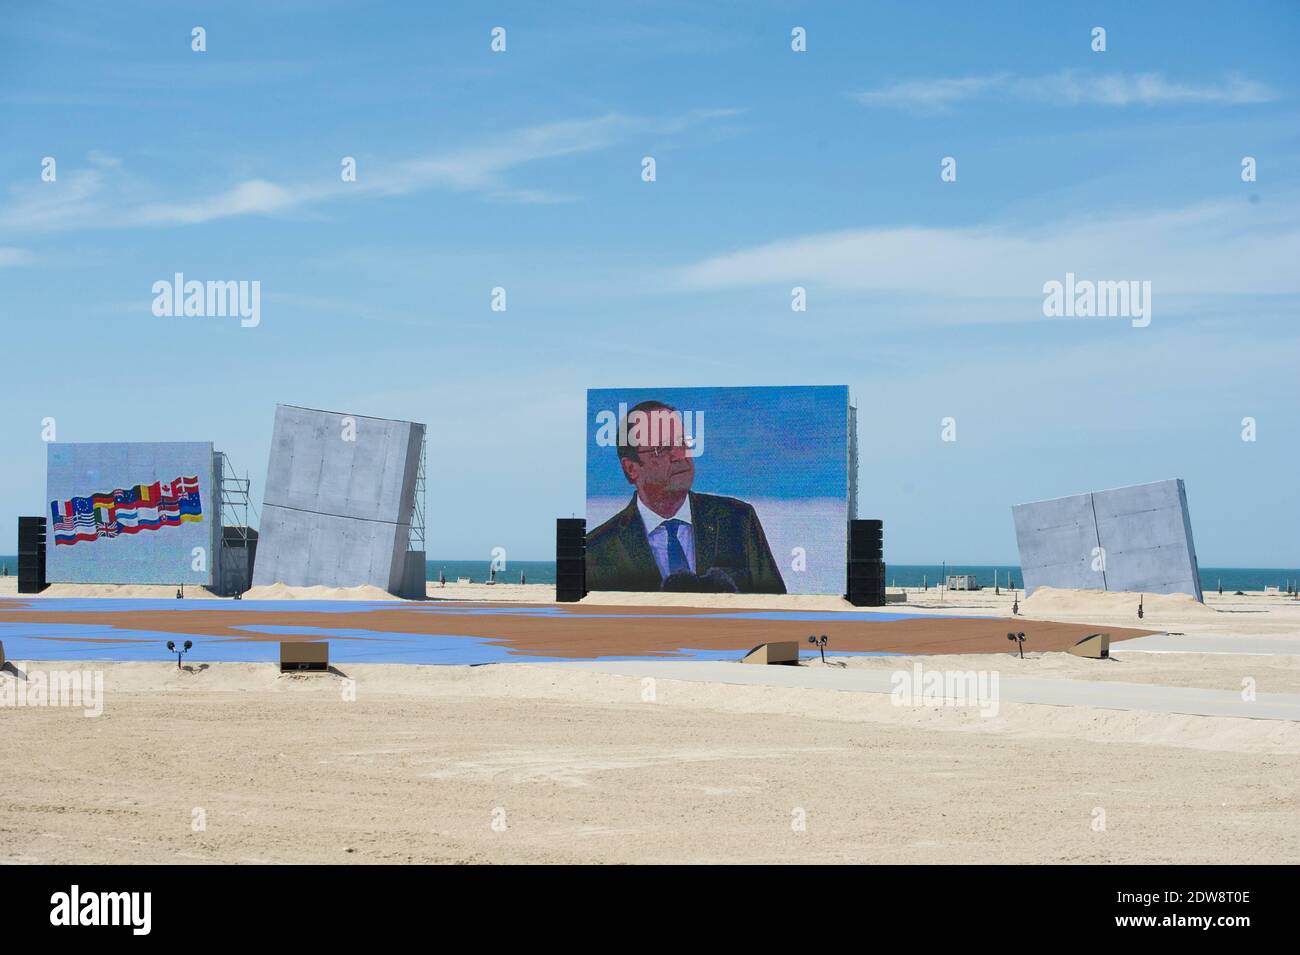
[[180, 652], [820, 644]]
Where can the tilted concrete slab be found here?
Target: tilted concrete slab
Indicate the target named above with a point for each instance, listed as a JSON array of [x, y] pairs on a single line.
[[340, 493], [1134, 539]]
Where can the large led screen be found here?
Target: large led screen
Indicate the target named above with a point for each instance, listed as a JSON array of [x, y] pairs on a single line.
[[130, 513], [729, 490]]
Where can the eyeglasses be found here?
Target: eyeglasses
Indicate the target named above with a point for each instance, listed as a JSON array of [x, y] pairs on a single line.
[[656, 453]]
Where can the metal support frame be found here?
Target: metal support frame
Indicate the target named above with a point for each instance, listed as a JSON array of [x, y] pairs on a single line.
[[415, 540], [236, 501]]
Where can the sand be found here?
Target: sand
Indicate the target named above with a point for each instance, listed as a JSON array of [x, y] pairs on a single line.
[[518, 763], [1219, 671], [578, 767], [497, 593], [1053, 601], [280, 591], [146, 591], [9, 588], [545, 593], [1251, 615], [1255, 614]]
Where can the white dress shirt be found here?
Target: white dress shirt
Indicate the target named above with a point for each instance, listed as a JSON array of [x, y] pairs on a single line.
[[657, 535]]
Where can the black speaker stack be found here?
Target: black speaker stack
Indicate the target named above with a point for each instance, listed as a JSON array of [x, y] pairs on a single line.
[[570, 559], [866, 570], [31, 555]]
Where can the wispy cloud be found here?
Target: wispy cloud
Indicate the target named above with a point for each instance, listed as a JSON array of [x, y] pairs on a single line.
[[997, 271], [1068, 88], [106, 197], [253, 197], [12, 256]]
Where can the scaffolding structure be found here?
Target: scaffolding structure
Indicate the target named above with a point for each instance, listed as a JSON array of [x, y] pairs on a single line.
[[236, 507], [415, 541], [235, 498]]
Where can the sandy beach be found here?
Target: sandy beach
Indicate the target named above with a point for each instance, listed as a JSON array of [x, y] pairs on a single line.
[[579, 767], [234, 762]]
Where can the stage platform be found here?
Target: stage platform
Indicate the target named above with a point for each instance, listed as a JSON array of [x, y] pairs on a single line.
[[437, 632]]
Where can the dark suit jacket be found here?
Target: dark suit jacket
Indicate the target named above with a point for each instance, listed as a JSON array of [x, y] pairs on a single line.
[[728, 535]]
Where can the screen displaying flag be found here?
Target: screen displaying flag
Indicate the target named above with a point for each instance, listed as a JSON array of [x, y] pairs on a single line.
[[133, 510]]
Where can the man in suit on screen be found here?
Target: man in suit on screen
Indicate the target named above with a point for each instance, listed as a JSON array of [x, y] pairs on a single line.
[[670, 537]]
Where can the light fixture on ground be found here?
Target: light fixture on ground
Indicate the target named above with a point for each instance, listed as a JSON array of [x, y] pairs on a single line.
[[171, 645], [820, 644]]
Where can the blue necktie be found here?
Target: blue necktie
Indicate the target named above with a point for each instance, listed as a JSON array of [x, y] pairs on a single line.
[[676, 553]]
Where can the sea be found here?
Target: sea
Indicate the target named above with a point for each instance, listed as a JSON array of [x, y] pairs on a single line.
[[1230, 579]]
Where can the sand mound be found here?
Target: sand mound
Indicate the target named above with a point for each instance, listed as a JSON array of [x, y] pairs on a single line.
[[497, 593], [721, 601], [278, 591], [545, 593], [150, 591], [1082, 602]]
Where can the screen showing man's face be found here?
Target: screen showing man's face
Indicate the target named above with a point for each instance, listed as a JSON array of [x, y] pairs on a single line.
[[763, 509], [661, 466]]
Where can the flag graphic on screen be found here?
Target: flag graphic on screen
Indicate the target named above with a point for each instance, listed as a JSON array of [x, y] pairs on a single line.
[[144, 507]]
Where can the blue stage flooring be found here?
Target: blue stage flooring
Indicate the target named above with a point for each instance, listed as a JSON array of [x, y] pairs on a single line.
[[74, 641]]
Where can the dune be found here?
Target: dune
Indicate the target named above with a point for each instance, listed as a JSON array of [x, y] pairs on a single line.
[[1055, 600], [137, 591], [279, 591]]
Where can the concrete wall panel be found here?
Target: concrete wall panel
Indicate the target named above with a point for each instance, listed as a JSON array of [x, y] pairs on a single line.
[[314, 467], [1057, 540], [340, 492], [1135, 538], [1147, 534]]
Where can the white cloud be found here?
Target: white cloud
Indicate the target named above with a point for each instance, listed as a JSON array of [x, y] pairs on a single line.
[[931, 94], [12, 256], [75, 198], [105, 196], [978, 273], [255, 196], [1068, 88], [482, 168]]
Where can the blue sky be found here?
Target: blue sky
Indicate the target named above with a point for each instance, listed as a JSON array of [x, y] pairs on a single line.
[[775, 169]]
